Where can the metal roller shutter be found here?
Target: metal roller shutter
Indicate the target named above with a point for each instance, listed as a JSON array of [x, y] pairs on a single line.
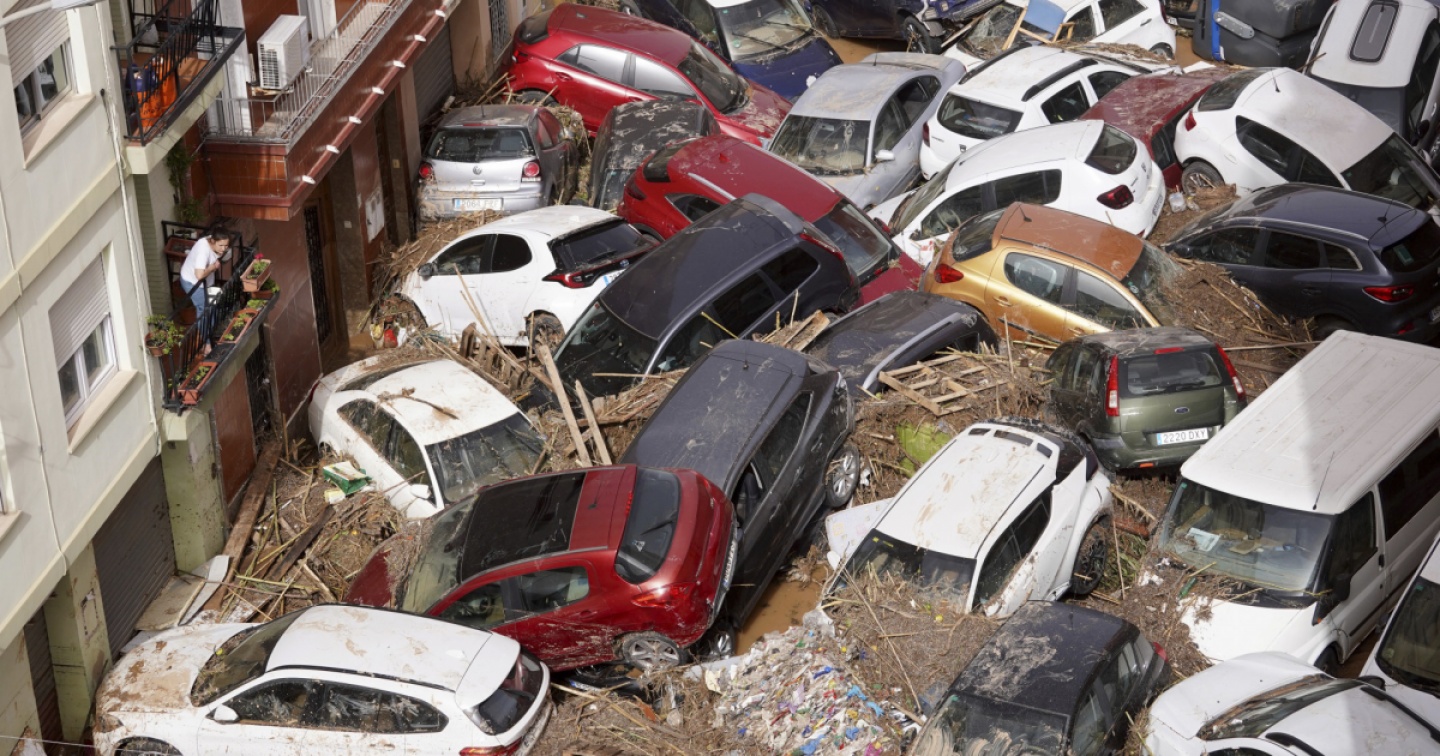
[[42, 677], [134, 554], [31, 39], [434, 75]]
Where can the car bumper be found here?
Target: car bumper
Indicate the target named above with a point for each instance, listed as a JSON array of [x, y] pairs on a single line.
[[435, 205], [1116, 454]]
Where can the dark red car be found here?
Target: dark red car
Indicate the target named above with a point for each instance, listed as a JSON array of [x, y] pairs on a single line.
[[686, 180], [581, 567], [1149, 107], [592, 59]]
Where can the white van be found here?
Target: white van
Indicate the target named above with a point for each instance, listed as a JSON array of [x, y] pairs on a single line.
[[1407, 657], [1319, 500]]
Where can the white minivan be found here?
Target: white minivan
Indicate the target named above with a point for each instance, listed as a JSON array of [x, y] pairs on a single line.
[[1407, 657], [1319, 501]]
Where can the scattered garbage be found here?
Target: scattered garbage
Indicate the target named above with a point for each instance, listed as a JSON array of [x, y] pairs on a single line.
[[346, 476]]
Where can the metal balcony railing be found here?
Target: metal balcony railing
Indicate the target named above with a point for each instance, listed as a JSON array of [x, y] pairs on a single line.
[[280, 117], [206, 331], [169, 61]]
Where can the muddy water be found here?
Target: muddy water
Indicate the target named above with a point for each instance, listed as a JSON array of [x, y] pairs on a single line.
[[782, 606]]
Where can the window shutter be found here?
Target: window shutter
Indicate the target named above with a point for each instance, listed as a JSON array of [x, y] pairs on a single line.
[[32, 39], [78, 312]]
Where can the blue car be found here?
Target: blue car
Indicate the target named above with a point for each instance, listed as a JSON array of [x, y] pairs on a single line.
[[770, 42], [921, 24]]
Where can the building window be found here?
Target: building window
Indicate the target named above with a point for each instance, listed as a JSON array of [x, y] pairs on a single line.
[[84, 341], [42, 87]]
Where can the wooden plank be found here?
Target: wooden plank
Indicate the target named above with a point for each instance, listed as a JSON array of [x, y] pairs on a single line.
[[244, 526], [910, 394], [601, 450], [558, 386]]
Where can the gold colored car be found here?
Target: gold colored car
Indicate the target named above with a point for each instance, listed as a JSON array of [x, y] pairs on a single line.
[[1038, 271]]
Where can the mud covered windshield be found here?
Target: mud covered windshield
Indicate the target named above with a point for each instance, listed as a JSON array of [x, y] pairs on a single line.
[[238, 660], [880, 555], [761, 28], [1392, 171], [823, 146], [464, 464], [968, 724], [1410, 652], [987, 37], [438, 569], [1153, 272]]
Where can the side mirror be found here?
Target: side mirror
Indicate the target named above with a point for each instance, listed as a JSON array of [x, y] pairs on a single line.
[[426, 271], [884, 156], [224, 715], [420, 491], [1340, 588], [1374, 681]]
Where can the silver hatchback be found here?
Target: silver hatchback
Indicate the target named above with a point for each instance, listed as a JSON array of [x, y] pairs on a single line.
[[506, 158]]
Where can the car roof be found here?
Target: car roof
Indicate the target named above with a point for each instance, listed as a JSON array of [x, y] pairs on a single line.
[[1334, 59], [1319, 436], [1311, 114], [436, 400], [866, 337], [1146, 340], [1141, 105], [555, 520], [1376, 219], [914, 61], [1006, 78], [621, 30], [852, 92], [737, 168], [1074, 236], [550, 221], [1043, 656], [683, 271], [1023, 149], [717, 413], [975, 483], [636, 129], [489, 115]]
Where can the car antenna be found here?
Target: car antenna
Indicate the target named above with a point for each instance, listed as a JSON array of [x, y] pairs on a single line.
[[1021, 208], [1323, 477]]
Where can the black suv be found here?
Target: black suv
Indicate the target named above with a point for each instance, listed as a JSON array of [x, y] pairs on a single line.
[[1351, 261]]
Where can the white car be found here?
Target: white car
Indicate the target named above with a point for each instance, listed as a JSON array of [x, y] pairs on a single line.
[[1407, 657], [1265, 126], [534, 271], [327, 679], [1271, 704], [1119, 22], [1087, 167], [429, 434], [1019, 89], [1007, 512]]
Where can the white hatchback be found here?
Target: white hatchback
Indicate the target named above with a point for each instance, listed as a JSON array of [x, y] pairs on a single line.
[[1118, 22], [1407, 657], [1087, 167], [1008, 511], [429, 434], [532, 272], [327, 679]]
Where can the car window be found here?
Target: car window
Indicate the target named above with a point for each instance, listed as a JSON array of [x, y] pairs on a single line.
[[1162, 145], [1290, 252], [1084, 369], [1105, 81], [1083, 25], [1088, 732], [653, 78], [510, 253], [547, 137], [466, 144], [777, 447], [1310, 170], [1011, 547], [1354, 539], [550, 125], [357, 709], [1232, 246], [915, 96], [1422, 78], [693, 206], [790, 270], [701, 16], [547, 590], [605, 62], [371, 422], [890, 126], [1039, 188], [1411, 485], [950, 213], [1100, 302], [405, 456], [1036, 276], [1114, 151], [1265, 144], [1166, 372], [1116, 12], [649, 525], [729, 316], [1066, 105], [975, 119], [466, 257], [282, 703], [1339, 258], [482, 608]]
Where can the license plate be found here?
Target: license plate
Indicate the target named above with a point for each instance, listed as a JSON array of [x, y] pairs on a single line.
[[1435, 314], [1180, 437], [476, 205], [608, 277]]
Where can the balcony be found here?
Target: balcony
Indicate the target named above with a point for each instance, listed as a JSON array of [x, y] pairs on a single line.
[[172, 70]]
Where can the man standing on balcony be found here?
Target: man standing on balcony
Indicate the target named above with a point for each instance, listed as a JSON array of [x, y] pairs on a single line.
[[198, 272]]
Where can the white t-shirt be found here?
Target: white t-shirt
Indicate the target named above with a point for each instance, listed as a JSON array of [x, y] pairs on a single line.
[[201, 255]]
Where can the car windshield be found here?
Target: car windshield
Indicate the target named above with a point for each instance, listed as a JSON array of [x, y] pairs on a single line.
[[1257, 715], [720, 85], [920, 199], [760, 28], [1261, 545], [1152, 274], [507, 449], [596, 244], [649, 527], [968, 724], [1392, 171], [1169, 372], [975, 237], [238, 660], [602, 343], [438, 568], [880, 555], [461, 144], [823, 146], [864, 247], [975, 119], [988, 36], [1415, 251], [1410, 652]]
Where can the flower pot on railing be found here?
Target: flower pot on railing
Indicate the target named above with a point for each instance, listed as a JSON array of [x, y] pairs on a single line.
[[268, 290], [195, 382], [256, 275], [163, 335], [238, 325]]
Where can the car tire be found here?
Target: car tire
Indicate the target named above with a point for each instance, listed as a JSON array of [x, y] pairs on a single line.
[[917, 37], [649, 651], [1200, 175], [1091, 560], [719, 642], [1329, 661], [546, 327], [1326, 327], [1163, 51], [842, 476], [146, 747], [629, 8], [824, 23], [649, 233], [534, 97]]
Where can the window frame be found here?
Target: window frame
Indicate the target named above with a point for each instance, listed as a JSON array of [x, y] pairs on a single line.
[[88, 386], [62, 74], [1399, 505]]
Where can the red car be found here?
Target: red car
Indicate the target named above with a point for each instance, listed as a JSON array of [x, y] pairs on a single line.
[[592, 59], [1149, 107], [581, 567], [686, 180]]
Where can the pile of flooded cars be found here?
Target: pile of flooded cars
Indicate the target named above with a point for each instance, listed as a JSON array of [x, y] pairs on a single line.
[[926, 202]]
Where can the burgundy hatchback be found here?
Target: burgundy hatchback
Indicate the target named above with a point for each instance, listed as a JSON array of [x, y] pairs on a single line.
[[593, 59], [1149, 107], [684, 181], [581, 567]]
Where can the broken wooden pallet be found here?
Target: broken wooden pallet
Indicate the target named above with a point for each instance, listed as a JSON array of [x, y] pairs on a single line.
[[940, 392]]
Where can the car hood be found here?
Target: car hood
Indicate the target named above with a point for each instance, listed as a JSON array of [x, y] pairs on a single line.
[[1193, 702], [157, 675], [763, 113], [1233, 629], [845, 529], [858, 187], [788, 73]]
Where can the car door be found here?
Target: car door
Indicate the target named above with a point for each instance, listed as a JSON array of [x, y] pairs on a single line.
[[558, 153], [1120, 20], [732, 314], [774, 506], [1067, 104], [1065, 394], [1233, 249], [1097, 305], [1291, 272], [1027, 298], [931, 231], [1410, 511], [508, 283], [562, 612], [593, 81], [1080, 25], [444, 292], [1034, 187], [1353, 553], [366, 436], [359, 718], [891, 135], [412, 486], [276, 716], [658, 81], [915, 99], [1008, 570], [1281, 157]]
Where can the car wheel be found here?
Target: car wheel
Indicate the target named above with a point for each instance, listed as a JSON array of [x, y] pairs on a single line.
[[547, 328], [719, 642], [650, 651], [1325, 327], [649, 233], [824, 23], [146, 747], [1163, 51], [534, 97], [629, 8], [1090, 561], [842, 475], [1329, 662], [1200, 175], [917, 37]]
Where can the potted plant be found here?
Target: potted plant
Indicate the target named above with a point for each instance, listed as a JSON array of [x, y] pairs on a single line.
[[164, 335], [256, 275], [268, 290], [237, 326], [255, 304], [195, 381]]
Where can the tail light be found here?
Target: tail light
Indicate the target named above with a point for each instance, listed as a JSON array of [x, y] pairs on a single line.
[[1169, 350], [427, 172], [1390, 293], [668, 597], [1234, 377], [1190, 120], [823, 244], [633, 189], [925, 134], [1112, 388], [1408, 327], [1160, 651], [1117, 198], [506, 750], [945, 274], [573, 280], [531, 171]]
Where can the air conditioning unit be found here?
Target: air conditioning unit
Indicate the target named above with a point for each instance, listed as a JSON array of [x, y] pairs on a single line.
[[284, 49]]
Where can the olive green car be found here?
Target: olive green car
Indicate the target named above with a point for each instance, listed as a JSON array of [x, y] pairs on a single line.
[[1146, 397]]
